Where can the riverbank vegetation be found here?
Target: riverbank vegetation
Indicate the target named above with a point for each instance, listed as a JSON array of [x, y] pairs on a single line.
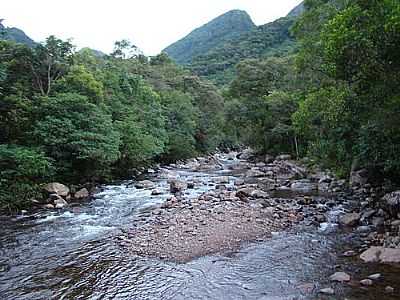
[[336, 98], [77, 116]]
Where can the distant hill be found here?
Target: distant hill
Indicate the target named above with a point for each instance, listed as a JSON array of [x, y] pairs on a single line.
[[217, 60], [211, 35], [16, 35]]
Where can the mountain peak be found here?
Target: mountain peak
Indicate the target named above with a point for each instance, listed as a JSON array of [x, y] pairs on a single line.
[[297, 11], [226, 26]]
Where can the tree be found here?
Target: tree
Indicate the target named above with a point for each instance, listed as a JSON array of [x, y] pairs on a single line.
[[50, 62], [181, 124], [124, 49], [78, 135]]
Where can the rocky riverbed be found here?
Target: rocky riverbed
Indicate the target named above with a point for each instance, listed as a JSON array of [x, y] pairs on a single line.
[[227, 226], [265, 197]]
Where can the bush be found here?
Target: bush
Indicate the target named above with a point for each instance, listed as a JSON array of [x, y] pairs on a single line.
[[21, 171]]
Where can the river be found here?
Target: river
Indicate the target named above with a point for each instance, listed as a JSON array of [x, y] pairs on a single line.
[[75, 254]]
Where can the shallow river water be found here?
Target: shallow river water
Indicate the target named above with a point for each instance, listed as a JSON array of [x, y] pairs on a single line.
[[75, 254]]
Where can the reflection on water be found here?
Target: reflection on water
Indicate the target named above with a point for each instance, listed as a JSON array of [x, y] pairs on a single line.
[[74, 255]]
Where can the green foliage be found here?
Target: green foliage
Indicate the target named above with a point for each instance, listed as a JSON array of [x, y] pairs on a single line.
[[348, 111], [210, 36], [263, 100], [79, 80], [21, 169], [182, 118], [78, 135], [272, 39]]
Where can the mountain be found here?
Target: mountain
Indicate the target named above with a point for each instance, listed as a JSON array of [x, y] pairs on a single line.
[[15, 34], [297, 11], [212, 52], [272, 39], [211, 35]]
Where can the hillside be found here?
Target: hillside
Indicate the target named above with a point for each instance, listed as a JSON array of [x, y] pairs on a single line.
[[297, 11], [213, 50], [16, 35], [211, 35], [272, 39]]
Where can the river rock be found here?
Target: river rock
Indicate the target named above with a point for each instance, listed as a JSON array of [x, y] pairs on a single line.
[[350, 219], [378, 221], [389, 289], [340, 277], [375, 276], [259, 194], [358, 178], [144, 184], [246, 154], [245, 192], [255, 173], [327, 291], [57, 188], [391, 203], [366, 282], [177, 186], [304, 185], [221, 180], [156, 192], [283, 157], [269, 159], [81, 194], [60, 203], [381, 254]]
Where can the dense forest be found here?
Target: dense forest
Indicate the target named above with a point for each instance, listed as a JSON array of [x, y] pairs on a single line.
[[76, 117], [330, 92], [336, 98]]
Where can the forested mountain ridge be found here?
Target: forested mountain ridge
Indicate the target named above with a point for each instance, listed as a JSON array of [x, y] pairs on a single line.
[[205, 38], [15, 34], [272, 39], [217, 63]]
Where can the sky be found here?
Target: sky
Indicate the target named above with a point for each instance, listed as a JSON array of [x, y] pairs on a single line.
[[151, 25]]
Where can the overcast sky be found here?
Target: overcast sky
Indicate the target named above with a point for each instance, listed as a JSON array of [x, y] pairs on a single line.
[[150, 24]]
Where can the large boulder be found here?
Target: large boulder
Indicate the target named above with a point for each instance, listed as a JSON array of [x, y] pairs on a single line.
[[381, 254], [57, 188], [350, 219], [391, 203], [177, 186], [246, 154]]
